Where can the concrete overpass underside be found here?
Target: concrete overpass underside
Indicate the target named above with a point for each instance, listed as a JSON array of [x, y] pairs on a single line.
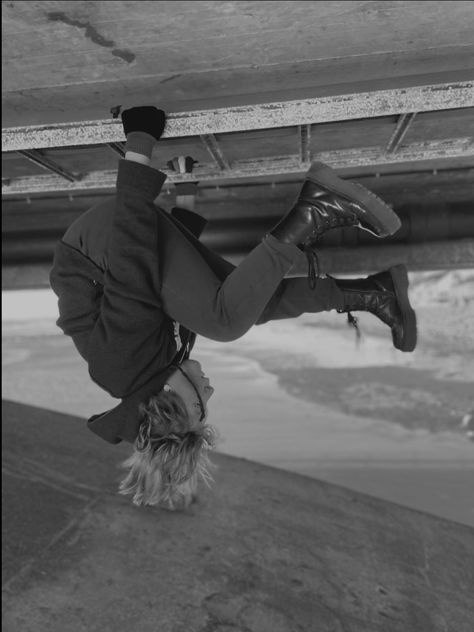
[[254, 91]]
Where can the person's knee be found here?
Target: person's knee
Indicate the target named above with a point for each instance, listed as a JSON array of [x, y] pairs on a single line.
[[226, 335], [227, 330]]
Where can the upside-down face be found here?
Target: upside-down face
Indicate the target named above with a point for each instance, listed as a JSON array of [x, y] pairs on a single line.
[[195, 389]]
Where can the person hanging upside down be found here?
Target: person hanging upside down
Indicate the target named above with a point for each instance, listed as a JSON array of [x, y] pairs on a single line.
[[135, 287]]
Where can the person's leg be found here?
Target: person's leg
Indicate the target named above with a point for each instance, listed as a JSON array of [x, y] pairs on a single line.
[[223, 309], [288, 300], [385, 295], [218, 282], [294, 297]]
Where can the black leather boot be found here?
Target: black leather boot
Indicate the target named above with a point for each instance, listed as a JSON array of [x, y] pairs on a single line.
[[386, 296], [326, 202]]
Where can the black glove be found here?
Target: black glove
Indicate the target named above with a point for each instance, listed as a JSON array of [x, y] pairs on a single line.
[[146, 119]]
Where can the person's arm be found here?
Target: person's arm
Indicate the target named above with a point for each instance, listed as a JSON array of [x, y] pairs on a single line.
[[129, 341], [77, 283]]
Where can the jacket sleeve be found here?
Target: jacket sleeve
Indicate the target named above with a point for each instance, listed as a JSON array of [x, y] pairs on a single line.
[[77, 282], [130, 341]]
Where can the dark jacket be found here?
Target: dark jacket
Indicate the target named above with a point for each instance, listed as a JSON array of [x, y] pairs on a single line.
[[106, 274]]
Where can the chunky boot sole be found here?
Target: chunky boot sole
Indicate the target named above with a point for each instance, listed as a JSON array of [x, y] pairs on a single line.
[[400, 283], [375, 215]]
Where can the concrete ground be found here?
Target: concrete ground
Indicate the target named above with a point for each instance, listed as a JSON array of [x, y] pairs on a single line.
[[263, 551]]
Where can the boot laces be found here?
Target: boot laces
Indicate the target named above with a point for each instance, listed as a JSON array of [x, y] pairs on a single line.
[[352, 321], [340, 220], [334, 221], [313, 276], [328, 221], [313, 266]]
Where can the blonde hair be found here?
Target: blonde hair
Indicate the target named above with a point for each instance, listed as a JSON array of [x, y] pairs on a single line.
[[168, 459]]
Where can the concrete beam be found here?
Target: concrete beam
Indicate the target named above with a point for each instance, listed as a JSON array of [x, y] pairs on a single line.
[[340, 159], [253, 117]]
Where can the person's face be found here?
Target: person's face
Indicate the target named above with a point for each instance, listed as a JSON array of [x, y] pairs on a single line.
[[187, 385]]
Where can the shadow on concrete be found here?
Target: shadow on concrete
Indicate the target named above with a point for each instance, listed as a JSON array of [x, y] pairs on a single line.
[[263, 551]]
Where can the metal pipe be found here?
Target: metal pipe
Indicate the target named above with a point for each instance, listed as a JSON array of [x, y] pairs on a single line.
[[404, 122], [38, 158], [242, 235], [443, 255], [210, 143], [276, 165]]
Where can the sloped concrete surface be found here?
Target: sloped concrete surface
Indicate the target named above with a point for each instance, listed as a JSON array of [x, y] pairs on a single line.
[[263, 551]]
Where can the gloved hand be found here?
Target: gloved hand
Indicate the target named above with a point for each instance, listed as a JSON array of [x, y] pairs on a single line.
[[146, 119]]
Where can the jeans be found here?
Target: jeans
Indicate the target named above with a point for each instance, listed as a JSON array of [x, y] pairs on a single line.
[[215, 299]]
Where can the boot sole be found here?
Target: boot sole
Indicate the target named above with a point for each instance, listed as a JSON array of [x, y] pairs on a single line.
[[400, 282], [376, 213]]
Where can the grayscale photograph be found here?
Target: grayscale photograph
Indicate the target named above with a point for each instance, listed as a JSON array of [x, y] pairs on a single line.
[[237, 316]]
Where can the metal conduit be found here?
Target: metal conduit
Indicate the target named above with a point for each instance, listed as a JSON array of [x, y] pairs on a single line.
[[238, 235]]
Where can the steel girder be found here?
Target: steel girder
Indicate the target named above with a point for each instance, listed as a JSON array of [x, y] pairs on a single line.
[[369, 156]]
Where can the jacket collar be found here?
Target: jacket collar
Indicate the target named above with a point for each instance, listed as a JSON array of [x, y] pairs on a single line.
[[122, 422]]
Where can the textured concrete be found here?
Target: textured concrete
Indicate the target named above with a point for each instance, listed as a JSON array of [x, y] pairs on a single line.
[[263, 551], [72, 61]]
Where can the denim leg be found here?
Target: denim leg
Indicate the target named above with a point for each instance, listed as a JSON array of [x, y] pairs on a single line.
[[294, 297], [216, 308]]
